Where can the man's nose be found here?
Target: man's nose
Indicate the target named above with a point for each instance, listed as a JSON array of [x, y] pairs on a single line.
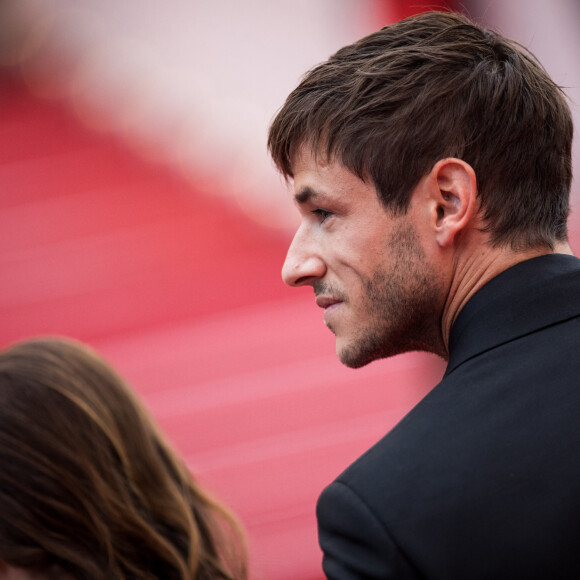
[[303, 264]]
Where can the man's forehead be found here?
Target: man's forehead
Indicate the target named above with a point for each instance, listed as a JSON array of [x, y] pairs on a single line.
[[317, 180], [306, 157], [309, 168]]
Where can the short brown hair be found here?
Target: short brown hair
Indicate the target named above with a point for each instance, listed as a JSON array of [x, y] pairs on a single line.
[[89, 487], [436, 85]]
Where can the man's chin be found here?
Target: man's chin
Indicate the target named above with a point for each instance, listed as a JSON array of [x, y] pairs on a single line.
[[353, 357]]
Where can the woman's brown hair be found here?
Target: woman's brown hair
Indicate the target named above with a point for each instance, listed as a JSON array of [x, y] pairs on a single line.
[[89, 486]]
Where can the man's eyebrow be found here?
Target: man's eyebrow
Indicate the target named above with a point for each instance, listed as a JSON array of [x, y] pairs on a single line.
[[304, 195]]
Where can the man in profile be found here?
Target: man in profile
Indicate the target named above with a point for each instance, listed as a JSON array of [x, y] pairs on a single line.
[[431, 164]]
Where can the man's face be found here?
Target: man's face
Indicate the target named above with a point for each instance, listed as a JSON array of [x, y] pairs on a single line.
[[367, 267]]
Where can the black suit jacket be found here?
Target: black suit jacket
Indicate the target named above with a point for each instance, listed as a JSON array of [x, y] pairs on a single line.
[[481, 480]]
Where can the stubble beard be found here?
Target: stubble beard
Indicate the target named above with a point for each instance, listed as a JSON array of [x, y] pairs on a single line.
[[405, 305]]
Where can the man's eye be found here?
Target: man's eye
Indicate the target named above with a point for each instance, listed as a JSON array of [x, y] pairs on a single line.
[[322, 214]]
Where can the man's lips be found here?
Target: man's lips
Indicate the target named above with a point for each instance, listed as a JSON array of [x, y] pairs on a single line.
[[326, 302], [330, 305]]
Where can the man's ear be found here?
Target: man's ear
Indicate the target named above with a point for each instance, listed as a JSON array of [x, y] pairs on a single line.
[[454, 190]]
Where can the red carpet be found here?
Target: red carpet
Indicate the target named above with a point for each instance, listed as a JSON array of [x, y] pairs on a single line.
[[182, 293]]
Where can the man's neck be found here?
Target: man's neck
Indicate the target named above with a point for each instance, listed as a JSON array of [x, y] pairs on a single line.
[[477, 269]]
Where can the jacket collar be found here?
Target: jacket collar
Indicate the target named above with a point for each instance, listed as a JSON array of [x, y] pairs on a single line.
[[524, 298]]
